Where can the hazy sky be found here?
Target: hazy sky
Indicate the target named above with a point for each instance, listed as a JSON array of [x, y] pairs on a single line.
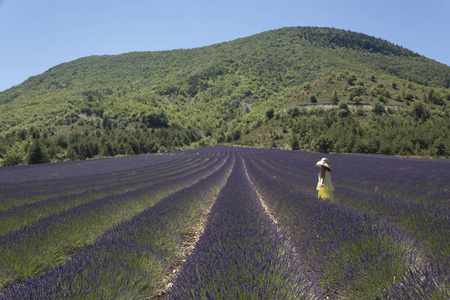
[[36, 35]]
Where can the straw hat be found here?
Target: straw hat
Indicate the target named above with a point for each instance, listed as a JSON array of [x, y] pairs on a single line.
[[324, 162]]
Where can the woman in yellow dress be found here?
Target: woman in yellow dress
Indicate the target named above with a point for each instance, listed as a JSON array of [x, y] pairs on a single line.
[[324, 186]]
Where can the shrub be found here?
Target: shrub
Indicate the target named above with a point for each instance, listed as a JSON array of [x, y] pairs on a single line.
[[378, 108]]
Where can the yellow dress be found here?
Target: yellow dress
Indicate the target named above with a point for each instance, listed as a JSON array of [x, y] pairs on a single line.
[[325, 192]]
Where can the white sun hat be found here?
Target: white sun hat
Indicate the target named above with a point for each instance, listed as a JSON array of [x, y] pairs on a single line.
[[324, 162]]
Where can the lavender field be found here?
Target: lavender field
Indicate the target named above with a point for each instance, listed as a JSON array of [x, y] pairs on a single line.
[[226, 223]]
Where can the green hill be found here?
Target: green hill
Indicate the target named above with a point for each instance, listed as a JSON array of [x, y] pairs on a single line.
[[249, 91]]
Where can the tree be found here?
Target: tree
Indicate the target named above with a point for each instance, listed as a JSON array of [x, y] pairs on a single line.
[[335, 98], [71, 153], [269, 113], [357, 100], [37, 153], [378, 108], [61, 141], [418, 111], [434, 97], [295, 145], [155, 118], [293, 111], [351, 79], [14, 156], [439, 145], [236, 134], [273, 144], [323, 144], [343, 110]]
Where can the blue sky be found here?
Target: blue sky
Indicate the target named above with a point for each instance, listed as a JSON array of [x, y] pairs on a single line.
[[37, 35]]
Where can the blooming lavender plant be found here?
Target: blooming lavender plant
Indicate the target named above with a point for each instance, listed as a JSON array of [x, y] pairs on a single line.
[[112, 228], [52, 240], [15, 195], [23, 215], [242, 255], [354, 255], [130, 259]]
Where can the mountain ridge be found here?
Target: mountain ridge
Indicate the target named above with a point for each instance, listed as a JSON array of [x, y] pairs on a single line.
[[328, 37], [214, 93]]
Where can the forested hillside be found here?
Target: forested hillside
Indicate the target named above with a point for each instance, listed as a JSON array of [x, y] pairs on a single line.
[[250, 91]]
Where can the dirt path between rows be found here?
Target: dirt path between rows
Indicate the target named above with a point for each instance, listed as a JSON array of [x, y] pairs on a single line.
[[280, 228], [189, 243], [191, 239]]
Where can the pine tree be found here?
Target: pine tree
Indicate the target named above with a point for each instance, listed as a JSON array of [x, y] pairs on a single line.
[[37, 153], [295, 145], [335, 98]]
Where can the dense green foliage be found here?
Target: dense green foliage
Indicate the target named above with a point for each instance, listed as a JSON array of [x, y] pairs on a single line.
[[144, 102], [400, 119]]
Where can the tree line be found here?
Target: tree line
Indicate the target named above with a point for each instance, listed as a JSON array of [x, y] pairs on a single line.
[[90, 141]]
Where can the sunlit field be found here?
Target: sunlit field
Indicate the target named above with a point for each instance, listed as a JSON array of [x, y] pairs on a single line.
[[226, 223]]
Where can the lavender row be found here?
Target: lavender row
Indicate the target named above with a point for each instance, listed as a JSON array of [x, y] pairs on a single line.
[[416, 180], [130, 260], [24, 215], [428, 223], [354, 255], [431, 282], [241, 255], [52, 240], [25, 193], [71, 169], [83, 186], [35, 190]]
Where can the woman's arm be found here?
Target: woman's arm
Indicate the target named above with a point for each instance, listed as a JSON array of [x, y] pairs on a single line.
[[322, 176]]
